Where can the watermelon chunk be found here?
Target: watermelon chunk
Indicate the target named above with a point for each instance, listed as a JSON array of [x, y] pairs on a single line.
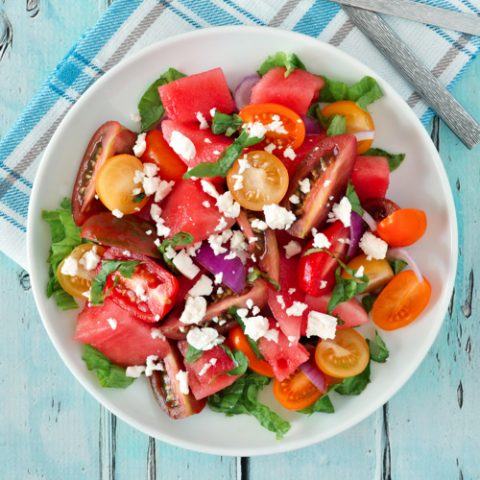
[[185, 97], [130, 343], [283, 356], [213, 379], [371, 177], [206, 151], [184, 211], [297, 91]]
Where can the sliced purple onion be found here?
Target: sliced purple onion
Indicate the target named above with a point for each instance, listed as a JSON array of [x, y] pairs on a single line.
[[243, 92], [364, 135], [402, 254], [315, 375], [369, 220], [357, 227], [233, 270], [311, 125]]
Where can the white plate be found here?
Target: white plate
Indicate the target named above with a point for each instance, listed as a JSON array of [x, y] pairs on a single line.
[[420, 182]]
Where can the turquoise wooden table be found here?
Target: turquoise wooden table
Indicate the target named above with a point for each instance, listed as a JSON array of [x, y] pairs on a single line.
[[50, 428]]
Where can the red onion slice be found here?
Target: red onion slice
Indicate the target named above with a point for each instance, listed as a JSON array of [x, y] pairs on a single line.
[[357, 227], [243, 92], [369, 220], [315, 375], [311, 125], [364, 135], [402, 254]]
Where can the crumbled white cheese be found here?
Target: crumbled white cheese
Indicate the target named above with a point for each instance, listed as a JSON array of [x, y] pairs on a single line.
[[304, 185], [321, 325], [138, 177], [373, 247], [323, 283], [140, 145], [163, 189], [289, 153], [207, 140], [296, 309], [221, 225], [227, 205], [255, 310], [113, 323], [276, 126], [220, 291], [185, 265], [243, 165], [155, 212], [207, 366], [270, 147], [136, 191], [206, 204], [320, 240], [117, 213], [194, 311], [134, 371], [238, 245], [238, 183], [182, 379], [249, 303], [212, 112], [192, 249], [278, 218], [209, 188], [203, 287], [359, 273], [90, 259], [156, 333], [271, 335], [258, 224], [281, 301], [148, 232], [150, 185], [202, 120], [150, 170], [342, 211], [256, 327], [151, 365], [255, 129], [182, 146], [69, 267], [291, 291], [204, 338], [218, 278], [292, 248], [294, 199]]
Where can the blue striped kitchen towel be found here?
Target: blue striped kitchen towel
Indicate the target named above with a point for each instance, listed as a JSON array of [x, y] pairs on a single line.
[[129, 25]]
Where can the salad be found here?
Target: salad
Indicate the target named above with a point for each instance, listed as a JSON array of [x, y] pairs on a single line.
[[236, 241]]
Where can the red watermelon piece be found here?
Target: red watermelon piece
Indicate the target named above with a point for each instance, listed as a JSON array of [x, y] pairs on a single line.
[[213, 379], [183, 211], [297, 91], [206, 151], [185, 97], [371, 177], [130, 343]]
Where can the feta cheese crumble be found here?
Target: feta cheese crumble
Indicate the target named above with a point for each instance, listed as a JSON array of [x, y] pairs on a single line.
[[296, 309], [255, 129], [207, 366], [270, 148], [359, 273], [221, 225], [373, 247], [156, 333], [140, 145], [90, 259], [218, 278], [134, 371], [182, 146], [321, 241], [185, 265], [256, 327], [238, 184], [281, 301], [113, 323], [151, 365], [206, 204], [271, 335], [117, 213], [292, 248], [182, 379], [304, 185], [202, 120], [227, 205], [204, 338], [278, 218], [258, 224], [289, 153], [194, 311], [294, 199], [70, 267], [243, 165], [342, 211], [321, 325], [203, 287]]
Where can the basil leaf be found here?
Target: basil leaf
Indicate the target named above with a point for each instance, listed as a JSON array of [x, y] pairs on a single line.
[[354, 385], [193, 354], [337, 125], [346, 288], [352, 196], [221, 167], [394, 159], [281, 59], [126, 268], [242, 398], [227, 124], [363, 92], [378, 350], [397, 265], [323, 404], [138, 198], [108, 374], [255, 274], [150, 106], [65, 237], [178, 240], [239, 359], [368, 301]]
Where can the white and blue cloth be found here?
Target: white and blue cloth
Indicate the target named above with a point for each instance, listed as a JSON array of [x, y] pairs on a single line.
[[129, 25]]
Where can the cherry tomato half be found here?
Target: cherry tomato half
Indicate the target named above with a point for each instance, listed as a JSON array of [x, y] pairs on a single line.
[[264, 182], [239, 340], [379, 272], [403, 227], [287, 129], [160, 153], [345, 356], [358, 120], [296, 392], [401, 301]]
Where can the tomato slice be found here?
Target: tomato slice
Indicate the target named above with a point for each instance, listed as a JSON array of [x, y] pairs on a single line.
[[401, 301], [379, 208], [286, 127], [296, 392], [263, 182], [345, 356], [149, 294], [379, 272], [160, 153], [403, 227], [358, 120], [239, 340], [77, 285]]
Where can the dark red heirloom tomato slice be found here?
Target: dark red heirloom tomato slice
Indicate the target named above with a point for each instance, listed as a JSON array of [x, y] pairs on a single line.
[[110, 139], [127, 233], [319, 267], [379, 208], [149, 294], [328, 168]]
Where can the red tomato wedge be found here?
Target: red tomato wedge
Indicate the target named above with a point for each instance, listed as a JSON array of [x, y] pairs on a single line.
[[129, 343], [311, 140], [371, 177]]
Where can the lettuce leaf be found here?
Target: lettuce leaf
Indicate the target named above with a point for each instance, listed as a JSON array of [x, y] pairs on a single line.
[[281, 59]]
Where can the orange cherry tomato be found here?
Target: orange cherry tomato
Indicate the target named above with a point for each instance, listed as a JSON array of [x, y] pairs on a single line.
[[345, 356], [77, 285], [264, 182], [403, 227], [296, 392], [401, 301], [358, 120], [114, 184], [379, 272], [287, 127], [238, 340], [158, 151]]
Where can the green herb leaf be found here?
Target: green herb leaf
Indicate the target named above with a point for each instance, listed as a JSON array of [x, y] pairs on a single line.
[[178, 240], [354, 385], [353, 199], [397, 265], [126, 268], [323, 404], [394, 159], [108, 374], [337, 125], [150, 106], [346, 288], [363, 92], [281, 59], [378, 350], [138, 198], [368, 301], [256, 273], [227, 124], [65, 237], [242, 398], [193, 354], [221, 167], [240, 360]]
